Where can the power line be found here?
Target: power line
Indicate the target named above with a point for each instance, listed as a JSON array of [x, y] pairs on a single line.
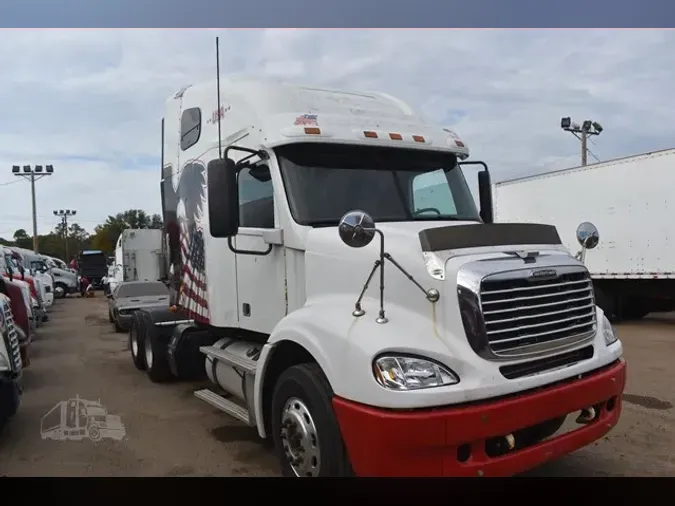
[[10, 182]]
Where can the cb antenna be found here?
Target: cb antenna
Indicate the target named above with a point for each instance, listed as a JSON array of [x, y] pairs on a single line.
[[220, 141]]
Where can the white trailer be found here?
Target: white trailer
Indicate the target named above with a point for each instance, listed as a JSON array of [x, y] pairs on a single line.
[[281, 202], [138, 256], [630, 202]]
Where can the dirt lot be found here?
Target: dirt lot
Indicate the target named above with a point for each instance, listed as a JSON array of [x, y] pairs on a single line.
[[171, 433]]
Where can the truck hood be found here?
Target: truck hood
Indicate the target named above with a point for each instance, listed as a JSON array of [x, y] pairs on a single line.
[[445, 239]]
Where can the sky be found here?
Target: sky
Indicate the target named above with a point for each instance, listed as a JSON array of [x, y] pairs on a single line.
[[89, 102]]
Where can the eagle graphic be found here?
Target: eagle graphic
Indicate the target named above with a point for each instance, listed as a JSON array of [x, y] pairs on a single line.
[[184, 207]]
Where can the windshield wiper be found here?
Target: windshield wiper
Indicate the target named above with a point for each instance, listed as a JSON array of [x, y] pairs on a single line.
[[445, 218], [323, 223]]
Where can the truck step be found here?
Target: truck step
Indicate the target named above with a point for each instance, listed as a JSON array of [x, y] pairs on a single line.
[[217, 401], [243, 363]]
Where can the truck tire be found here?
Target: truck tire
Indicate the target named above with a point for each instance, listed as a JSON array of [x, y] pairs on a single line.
[[137, 341], [634, 308], [301, 403], [118, 329], [606, 301], [156, 348], [61, 293]]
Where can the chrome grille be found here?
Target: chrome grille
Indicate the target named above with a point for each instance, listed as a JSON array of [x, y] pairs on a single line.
[[12, 338], [524, 315]]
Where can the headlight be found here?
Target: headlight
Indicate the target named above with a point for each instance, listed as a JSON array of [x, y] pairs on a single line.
[[435, 266], [4, 364], [411, 373], [608, 332]]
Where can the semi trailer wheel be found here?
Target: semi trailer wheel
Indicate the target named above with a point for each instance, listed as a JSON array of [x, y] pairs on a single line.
[[307, 438], [156, 348], [137, 341]]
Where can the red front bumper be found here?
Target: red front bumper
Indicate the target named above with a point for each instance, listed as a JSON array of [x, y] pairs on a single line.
[[425, 442]]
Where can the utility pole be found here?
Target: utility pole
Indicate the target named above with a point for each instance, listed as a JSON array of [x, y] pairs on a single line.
[[582, 133], [64, 214], [33, 175]]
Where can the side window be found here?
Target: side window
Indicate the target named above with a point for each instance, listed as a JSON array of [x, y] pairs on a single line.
[[256, 197], [432, 195], [190, 127]]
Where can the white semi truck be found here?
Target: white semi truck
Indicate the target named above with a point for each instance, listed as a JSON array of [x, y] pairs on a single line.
[[138, 256], [335, 280], [629, 201]]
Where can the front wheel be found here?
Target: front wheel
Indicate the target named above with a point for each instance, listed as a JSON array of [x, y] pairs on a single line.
[[156, 351], [137, 341], [307, 438]]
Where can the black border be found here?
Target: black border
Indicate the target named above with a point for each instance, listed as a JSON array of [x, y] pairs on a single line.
[[345, 13], [320, 492]]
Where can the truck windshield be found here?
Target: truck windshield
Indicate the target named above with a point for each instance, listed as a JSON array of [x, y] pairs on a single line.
[[324, 181]]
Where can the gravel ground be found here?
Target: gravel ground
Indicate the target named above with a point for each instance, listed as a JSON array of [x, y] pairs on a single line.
[[171, 433]]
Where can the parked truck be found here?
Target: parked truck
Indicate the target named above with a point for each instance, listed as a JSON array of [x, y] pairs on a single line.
[[65, 279], [93, 265], [10, 359], [629, 201], [138, 256], [363, 326]]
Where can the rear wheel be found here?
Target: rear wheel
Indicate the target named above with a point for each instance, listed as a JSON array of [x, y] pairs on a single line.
[[306, 434]]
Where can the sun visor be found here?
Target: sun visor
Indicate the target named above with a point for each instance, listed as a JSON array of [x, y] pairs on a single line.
[[484, 235]]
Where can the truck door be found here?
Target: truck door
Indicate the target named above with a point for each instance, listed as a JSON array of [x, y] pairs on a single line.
[[261, 278]]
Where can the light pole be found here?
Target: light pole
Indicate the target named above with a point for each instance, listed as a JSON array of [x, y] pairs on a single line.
[[64, 214], [582, 133], [33, 175]]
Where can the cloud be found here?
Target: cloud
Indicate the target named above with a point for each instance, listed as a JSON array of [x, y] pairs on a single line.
[[90, 101]]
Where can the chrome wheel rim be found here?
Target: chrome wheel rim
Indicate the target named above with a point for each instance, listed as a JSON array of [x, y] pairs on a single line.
[[148, 356], [300, 439], [134, 343]]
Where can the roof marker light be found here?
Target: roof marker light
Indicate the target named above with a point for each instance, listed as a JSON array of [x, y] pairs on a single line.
[[370, 135], [418, 138], [312, 131], [395, 137], [459, 144]]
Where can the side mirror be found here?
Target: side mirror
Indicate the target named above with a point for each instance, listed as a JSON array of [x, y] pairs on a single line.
[[223, 196], [588, 235], [356, 229], [108, 295], [485, 195]]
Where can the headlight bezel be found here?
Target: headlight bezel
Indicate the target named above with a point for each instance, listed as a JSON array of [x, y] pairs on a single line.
[[608, 332], [389, 384]]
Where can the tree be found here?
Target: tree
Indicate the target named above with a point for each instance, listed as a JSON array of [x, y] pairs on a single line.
[[105, 236], [21, 234], [156, 222]]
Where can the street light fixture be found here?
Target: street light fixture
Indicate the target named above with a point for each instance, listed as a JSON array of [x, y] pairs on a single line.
[[32, 176], [583, 132], [64, 214]]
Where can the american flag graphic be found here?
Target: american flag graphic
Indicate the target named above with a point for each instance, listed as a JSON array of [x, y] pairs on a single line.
[[193, 295]]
